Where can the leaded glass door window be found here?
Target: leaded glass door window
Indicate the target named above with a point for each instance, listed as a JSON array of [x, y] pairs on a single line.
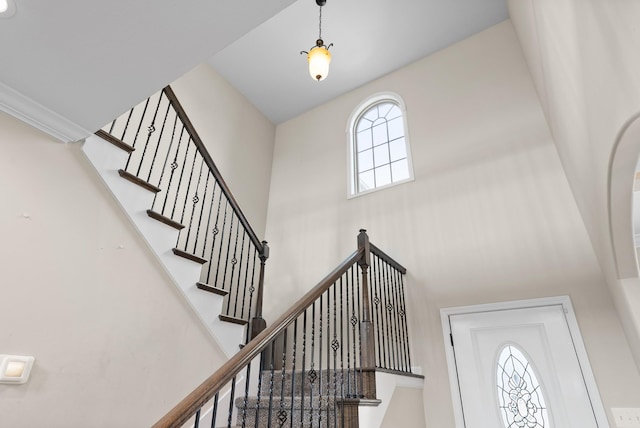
[[520, 396], [518, 365]]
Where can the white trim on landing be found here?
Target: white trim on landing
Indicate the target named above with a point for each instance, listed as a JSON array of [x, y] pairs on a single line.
[[40, 117]]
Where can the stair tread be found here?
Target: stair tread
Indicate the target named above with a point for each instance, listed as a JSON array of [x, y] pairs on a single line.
[[233, 319], [189, 256], [166, 220], [139, 181], [211, 289], [115, 141]]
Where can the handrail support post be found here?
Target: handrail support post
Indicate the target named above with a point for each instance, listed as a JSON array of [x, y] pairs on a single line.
[[367, 344], [258, 324]]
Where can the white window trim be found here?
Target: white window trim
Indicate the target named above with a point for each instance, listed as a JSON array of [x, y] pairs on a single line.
[[353, 119]]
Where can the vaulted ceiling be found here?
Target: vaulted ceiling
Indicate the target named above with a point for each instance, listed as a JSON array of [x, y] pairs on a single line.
[[371, 38], [70, 66]]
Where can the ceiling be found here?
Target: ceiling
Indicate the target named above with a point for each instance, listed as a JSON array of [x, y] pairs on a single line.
[[70, 66], [84, 62], [371, 38]]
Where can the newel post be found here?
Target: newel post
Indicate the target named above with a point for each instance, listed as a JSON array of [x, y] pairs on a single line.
[[367, 340], [258, 323]]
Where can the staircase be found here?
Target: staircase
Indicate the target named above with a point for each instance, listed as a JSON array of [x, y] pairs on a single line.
[[158, 170], [320, 363]]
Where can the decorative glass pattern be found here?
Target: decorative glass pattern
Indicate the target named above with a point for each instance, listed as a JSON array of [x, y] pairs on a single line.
[[520, 396], [380, 147]]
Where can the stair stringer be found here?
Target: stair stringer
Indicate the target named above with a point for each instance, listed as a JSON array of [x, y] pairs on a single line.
[[386, 384], [160, 238]]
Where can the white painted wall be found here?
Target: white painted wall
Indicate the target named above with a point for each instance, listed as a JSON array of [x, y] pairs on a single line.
[[238, 137], [115, 343], [584, 63], [490, 216]]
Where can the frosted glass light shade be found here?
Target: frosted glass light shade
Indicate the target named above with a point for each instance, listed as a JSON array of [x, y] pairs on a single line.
[[319, 58], [7, 8]]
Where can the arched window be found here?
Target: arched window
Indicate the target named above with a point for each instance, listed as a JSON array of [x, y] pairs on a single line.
[[379, 154]]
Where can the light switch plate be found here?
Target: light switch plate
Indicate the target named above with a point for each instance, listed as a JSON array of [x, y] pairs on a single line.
[[626, 417]]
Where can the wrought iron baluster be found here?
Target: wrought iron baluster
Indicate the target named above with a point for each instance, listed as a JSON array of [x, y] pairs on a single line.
[[215, 233], [205, 194], [342, 394], [126, 125], [313, 376], [320, 367], [390, 308], [214, 411], [376, 305], [304, 360], [164, 164], [210, 213], [352, 321], [282, 413], [184, 164], [150, 130], [258, 402], [174, 165], [196, 422], [396, 313], [335, 345], [231, 402], [135, 138], [401, 314], [186, 194], [224, 224], [159, 141], [359, 379], [245, 400], [246, 314], [293, 370], [234, 262], [251, 289], [244, 291], [113, 125], [226, 263], [271, 374], [194, 200], [405, 322], [384, 325]]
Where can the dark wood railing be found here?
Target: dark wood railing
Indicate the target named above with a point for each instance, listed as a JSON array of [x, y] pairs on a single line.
[[168, 157], [317, 362]]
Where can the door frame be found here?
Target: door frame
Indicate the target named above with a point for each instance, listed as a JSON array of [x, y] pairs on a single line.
[[574, 331]]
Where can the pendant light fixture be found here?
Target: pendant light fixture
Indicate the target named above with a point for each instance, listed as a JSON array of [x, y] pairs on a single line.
[[319, 56]]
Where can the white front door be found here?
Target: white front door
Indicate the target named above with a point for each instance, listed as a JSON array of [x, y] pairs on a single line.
[[518, 367]]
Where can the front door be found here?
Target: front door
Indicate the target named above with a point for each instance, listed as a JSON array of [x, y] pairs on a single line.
[[518, 367]]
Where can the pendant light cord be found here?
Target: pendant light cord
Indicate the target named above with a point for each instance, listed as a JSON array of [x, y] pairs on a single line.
[[320, 24]]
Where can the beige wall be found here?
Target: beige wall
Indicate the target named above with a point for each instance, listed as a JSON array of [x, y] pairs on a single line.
[[114, 341], [405, 409], [584, 62], [239, 138], [490, 216]]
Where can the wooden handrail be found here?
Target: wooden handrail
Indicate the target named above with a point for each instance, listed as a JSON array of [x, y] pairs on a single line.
[[384, 256], [181, 413], [171, 96]]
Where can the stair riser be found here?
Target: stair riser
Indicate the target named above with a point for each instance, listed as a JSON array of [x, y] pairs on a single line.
[[344, 382], [301, 419]]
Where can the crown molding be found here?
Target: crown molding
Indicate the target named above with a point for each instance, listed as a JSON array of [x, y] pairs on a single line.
[[40, 117]]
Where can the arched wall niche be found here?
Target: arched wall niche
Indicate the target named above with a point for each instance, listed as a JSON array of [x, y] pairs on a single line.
[[622, 167]]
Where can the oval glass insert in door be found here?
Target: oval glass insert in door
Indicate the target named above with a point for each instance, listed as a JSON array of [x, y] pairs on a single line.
[[520, 396]]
